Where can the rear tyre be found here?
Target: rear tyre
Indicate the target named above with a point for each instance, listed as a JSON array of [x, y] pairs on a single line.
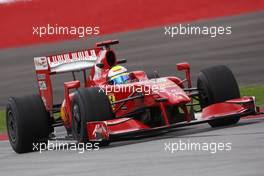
[[217, 84], [27, 122], [89, 104]]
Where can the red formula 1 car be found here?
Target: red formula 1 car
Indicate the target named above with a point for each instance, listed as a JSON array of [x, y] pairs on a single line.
[[102, 111]]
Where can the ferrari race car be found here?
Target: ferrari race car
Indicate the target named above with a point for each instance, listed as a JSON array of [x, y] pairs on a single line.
[[102, 108]]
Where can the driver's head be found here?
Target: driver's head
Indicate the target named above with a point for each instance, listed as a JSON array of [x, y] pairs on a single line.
[[118, 75]]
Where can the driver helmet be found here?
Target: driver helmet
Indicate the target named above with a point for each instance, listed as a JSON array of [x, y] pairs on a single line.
[[117, 75]]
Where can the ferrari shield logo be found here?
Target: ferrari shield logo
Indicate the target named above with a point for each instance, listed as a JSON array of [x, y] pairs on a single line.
[[112, 99]]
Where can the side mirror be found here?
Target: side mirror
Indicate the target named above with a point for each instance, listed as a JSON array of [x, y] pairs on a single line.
[[122, 61], [183, 66], [100, 65]]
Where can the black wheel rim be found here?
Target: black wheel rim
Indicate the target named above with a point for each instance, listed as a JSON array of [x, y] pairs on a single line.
[[76, 121], [11, 127]]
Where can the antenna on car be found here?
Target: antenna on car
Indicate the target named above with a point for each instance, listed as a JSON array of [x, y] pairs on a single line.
[[156, 74]]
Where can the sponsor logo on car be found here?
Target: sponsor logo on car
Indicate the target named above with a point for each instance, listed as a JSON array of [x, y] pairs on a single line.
[[42, 85], [57, 60], [41, 63], [100, 131]]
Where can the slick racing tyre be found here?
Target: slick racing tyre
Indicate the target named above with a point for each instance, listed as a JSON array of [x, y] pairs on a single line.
[[27, 122], [217, 84], [89, 104]]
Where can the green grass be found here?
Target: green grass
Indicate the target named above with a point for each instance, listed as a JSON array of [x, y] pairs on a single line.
[[255, 90], [2, 121]]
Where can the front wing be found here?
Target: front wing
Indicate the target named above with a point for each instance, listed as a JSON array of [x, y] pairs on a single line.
[[125, 128]]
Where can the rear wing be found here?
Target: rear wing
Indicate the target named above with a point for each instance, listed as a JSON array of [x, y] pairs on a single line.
[[61, 63], [46, 66]]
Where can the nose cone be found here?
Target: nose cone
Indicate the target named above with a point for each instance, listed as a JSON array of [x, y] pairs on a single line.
[[165, 88], [174, 95]]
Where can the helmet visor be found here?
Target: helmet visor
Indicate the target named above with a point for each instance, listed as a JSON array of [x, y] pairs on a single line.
[[120, 79]]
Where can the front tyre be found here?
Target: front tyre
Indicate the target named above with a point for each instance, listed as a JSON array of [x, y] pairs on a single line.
[[217, 84], [89, 104]]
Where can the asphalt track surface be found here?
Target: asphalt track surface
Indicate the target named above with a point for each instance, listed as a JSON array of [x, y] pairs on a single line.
[[149, 157], [150, 49]]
